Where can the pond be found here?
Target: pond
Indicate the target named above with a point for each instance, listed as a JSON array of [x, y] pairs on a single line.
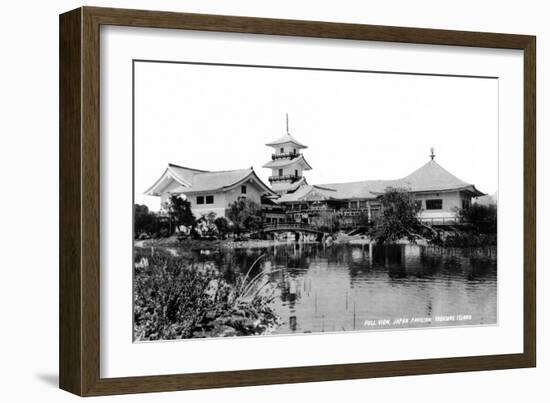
[[345, 287]]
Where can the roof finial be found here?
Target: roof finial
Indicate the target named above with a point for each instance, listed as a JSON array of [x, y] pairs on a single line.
[[287, 132], [432, 155]]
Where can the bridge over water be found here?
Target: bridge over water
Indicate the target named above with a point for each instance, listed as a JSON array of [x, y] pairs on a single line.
[[292, 227], [298, 229]]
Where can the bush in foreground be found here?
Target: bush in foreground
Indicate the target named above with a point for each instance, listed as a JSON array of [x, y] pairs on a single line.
[[174, 300]]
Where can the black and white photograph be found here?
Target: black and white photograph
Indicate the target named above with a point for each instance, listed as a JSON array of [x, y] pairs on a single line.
[[276, 200]]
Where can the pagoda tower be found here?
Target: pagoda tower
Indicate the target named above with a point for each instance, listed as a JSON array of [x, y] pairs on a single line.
[[287, 163]]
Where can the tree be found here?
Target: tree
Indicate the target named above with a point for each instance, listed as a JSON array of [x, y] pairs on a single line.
[[482, 217], [399, 218], [245, 215], [145, 221], [222, 225], [179, 211], [142, 219]]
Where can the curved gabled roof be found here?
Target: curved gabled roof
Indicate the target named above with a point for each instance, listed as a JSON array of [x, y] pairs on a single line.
[[287, 138], [184, 174], [194, 180], [181, 175], [225, 180], [217, 180]]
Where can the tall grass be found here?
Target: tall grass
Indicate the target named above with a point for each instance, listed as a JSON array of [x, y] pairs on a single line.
[[174, 299]]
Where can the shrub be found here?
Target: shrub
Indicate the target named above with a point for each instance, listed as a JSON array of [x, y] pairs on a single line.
[[223, 226], [205, 226], [173, 300]]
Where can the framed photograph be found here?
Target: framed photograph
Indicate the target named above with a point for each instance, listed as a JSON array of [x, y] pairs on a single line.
[[249, 201]]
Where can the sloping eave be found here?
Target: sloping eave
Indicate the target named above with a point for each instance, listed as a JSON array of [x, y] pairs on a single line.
[[283, 163], [168, 174]]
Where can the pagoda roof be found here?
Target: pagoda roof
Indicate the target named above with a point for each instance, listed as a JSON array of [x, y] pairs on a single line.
[[280, 163], [195, 181], [287, 138], [432, 176], [289, 187]]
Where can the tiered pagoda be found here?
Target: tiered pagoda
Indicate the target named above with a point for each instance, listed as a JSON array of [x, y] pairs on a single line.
[[287, 163]]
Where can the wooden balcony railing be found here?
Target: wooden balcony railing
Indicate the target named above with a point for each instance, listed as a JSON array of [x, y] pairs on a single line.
[[281, 178], [290, 155]]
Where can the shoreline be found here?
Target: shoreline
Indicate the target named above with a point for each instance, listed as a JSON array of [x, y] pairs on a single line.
[[198, 244], [209, 244]]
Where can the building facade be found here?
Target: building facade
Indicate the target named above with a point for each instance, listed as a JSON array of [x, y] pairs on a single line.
[[290, 198], [210, 192], [439, 193]]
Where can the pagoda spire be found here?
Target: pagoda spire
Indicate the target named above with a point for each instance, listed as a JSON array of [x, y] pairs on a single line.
[[287, 132], [432, 155]]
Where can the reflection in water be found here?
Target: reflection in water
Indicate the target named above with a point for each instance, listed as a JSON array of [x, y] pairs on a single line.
[[353, 287]]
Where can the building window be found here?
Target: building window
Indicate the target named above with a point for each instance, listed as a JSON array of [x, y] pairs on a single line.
[[200, 199], [434, 204], [296, 173], [282, 150], [243, 189], [466, 204], [353, 204], [209, 199], [362, 204], [280, 172]]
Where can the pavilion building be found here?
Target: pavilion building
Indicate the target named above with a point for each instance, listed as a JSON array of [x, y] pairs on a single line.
[[439, 194]]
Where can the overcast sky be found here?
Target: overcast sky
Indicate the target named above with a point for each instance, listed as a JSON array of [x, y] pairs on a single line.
[[357, 126]]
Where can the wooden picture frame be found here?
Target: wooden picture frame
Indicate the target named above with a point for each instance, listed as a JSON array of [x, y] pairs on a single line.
[[79, 348]]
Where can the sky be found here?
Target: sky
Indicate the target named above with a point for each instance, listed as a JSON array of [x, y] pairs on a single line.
[[357, 126]]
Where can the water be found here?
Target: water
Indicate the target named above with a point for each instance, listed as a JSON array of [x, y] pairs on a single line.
[[361, 287]]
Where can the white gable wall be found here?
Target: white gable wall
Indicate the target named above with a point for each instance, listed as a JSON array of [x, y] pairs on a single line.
[[223, 199], [218, 207], [252, 193]]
